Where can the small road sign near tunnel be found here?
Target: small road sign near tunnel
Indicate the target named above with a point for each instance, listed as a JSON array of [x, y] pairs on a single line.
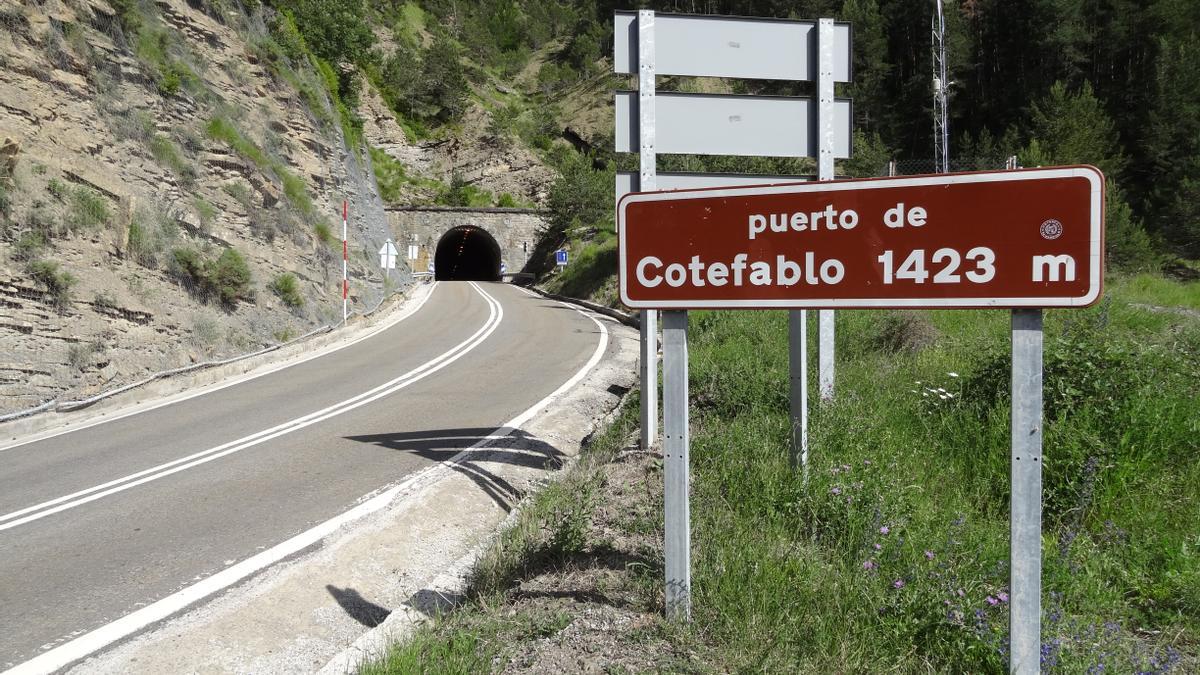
[[1029, 238], [560, 257]]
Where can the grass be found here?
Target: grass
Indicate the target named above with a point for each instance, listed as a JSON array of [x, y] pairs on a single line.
[[294, 190], [88, 209], [549, 532], [56, 281], [168, 154], [893, 556], [588, 274], [288, 289]]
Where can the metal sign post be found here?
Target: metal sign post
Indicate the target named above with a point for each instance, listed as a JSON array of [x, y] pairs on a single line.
[[780, 126], [1025, 551], [677, 546], [387, 257], [826, 137], [647, 174]]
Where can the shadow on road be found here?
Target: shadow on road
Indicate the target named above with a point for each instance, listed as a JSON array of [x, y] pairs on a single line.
[[518, 449], [359, 608]]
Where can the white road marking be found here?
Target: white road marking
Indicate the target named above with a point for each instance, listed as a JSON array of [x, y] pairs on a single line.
[[131, 623], [38, 511], [137, 409]]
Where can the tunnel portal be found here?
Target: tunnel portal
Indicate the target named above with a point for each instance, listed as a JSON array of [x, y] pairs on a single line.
[[467, 253]]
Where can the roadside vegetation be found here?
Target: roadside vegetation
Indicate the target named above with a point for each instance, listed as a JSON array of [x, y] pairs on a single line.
[[894, 554]]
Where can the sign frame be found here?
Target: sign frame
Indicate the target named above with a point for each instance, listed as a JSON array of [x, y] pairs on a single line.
[[1095, 252]]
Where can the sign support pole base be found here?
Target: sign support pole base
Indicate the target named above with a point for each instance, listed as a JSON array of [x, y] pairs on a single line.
[[1025, 569], [677, 547]]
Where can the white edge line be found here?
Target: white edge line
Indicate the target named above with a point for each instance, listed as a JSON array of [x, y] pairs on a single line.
[[85, 496], [99, 638], [138, 409]]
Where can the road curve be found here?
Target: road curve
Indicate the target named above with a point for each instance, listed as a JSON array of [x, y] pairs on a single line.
[[101, 521]]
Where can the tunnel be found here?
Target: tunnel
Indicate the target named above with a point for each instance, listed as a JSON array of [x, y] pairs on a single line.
[[467, 253]]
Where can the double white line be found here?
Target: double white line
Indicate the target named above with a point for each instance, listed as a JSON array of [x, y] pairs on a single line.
[[47, 508]]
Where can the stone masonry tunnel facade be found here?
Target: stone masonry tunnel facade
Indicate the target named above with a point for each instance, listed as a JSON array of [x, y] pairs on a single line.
[[440, 231]]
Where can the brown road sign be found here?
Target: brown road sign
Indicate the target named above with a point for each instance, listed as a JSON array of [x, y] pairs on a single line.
[[1027, 238]]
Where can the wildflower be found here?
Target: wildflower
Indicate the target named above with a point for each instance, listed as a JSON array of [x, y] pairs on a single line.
[[835, 491], [929, 555], [869, 565], [866, 462], [952, 374], [991, 601], [899, 583], [884, 530], [878, 547], [845, 467], [1003, 596], [960, 593]]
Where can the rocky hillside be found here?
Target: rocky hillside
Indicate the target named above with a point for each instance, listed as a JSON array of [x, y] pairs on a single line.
[[171, 184]]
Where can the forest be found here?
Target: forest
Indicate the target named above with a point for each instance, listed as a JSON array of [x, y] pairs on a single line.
[[1114, 83]]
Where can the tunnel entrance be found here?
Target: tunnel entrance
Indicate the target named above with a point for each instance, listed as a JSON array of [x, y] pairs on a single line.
[[467, 253]]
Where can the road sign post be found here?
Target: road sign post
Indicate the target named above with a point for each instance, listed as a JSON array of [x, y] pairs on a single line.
[[1025, 523], [677, 545], [387, 257], [1035, 240], [651, 123]]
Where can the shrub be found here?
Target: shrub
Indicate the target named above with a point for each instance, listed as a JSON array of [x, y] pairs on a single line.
[[29, 245], [5, 202], [141, 247], [229, 278], [57, 189], [166, 153], [206, 211], [57, 282], [88, 209], [226, 279], [324, 234], [288, 289]]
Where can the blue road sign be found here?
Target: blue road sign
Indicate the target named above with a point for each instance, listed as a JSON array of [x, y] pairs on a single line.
[[560, 256], [503, 268]]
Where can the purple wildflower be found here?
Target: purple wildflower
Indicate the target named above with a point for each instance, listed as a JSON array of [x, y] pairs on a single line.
[[869, 565], [835, 491], [1003, 596], [899, 583], [884, 530], [929, 555], [991, 601], [878, 547]]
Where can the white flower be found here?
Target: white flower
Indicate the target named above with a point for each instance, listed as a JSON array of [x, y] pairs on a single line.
[[952, 374]]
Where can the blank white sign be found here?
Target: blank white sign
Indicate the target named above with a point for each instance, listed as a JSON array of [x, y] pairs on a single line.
[[724, 46], [753, 126]]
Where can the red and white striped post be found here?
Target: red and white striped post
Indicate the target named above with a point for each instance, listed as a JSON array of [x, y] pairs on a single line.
[[345, 259]]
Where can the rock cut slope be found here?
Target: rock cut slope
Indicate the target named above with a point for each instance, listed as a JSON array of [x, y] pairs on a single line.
[[171, 192]]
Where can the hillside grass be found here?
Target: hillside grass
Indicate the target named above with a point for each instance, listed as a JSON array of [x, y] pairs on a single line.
[[894, 555]]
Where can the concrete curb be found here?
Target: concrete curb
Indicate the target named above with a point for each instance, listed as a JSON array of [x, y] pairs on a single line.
[[627, 319]]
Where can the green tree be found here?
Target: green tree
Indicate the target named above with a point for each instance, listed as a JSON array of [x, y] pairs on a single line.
[[1071, 128], [335, 30]]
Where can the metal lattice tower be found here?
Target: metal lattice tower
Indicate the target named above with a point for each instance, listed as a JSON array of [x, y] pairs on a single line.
[[941, 85]]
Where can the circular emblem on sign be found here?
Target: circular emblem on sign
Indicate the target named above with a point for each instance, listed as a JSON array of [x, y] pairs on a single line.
[[1051, 229]]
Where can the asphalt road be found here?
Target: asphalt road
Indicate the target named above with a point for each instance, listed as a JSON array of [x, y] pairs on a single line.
[[103, 520]]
